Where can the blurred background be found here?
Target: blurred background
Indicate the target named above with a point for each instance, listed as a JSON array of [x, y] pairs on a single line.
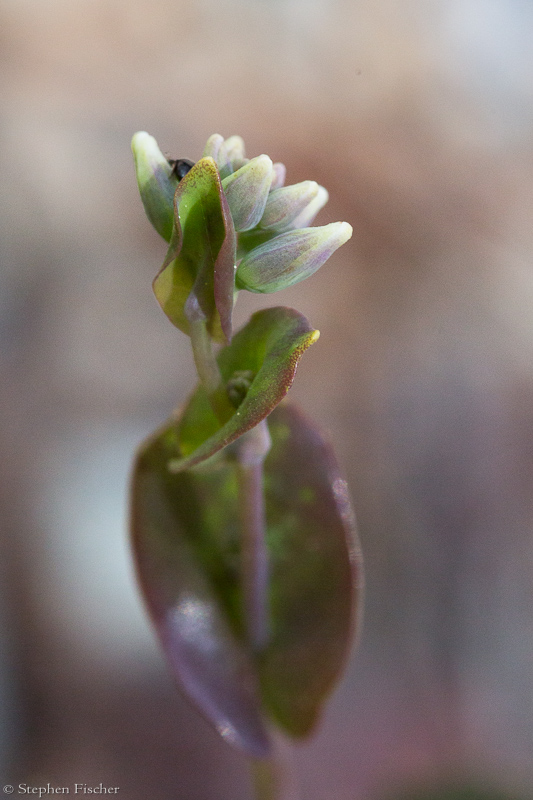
[[417, 115]]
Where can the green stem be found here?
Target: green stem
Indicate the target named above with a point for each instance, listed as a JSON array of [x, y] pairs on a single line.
[[251, 451], [265, 778], [205, 361], [274, 778]]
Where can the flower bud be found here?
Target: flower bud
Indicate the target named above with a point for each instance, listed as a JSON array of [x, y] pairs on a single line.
[[287, 204], [306, 217], [235, 150], [215, 148], [280, 172], [156, 181], [247, 192], [290, 257]]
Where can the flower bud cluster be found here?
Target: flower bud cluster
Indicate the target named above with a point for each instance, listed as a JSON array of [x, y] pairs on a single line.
[[276, 245]]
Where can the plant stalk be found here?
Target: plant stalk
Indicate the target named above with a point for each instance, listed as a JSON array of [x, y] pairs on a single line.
[[265, 779], [274, 778], [205, 361]]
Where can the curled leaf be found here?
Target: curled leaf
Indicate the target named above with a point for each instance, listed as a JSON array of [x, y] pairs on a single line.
[[201, 256], [269, 347]]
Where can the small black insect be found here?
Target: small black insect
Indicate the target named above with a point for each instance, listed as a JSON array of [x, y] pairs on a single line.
[[180, 167]]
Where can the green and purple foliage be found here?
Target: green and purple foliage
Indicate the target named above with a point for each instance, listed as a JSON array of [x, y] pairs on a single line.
[[243, 533]]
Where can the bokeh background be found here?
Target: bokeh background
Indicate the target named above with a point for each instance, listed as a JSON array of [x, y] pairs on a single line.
[[417, 115]]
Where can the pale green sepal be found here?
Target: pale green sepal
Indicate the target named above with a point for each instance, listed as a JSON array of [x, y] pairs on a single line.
[[290, 257], [156, 181], [247, 192]]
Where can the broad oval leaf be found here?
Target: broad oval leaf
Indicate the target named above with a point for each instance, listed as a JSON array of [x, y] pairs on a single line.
[[180, 555], [269, 347], [201, 255], [187, 543]]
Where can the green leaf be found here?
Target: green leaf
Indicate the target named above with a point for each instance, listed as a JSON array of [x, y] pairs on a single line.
[[187, 544], [201, 255], [269, 347]]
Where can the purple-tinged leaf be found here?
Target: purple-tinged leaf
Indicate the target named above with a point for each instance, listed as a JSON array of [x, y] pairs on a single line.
[[184, 564], [201, 256], [187, 544]]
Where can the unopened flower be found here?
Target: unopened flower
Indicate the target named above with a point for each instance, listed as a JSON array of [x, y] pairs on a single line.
[[308, 214], [290, 257], [278, 179], [247, 192], [235, 150], [215, 148], [157, 183], [274, 240], [285, 207]]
